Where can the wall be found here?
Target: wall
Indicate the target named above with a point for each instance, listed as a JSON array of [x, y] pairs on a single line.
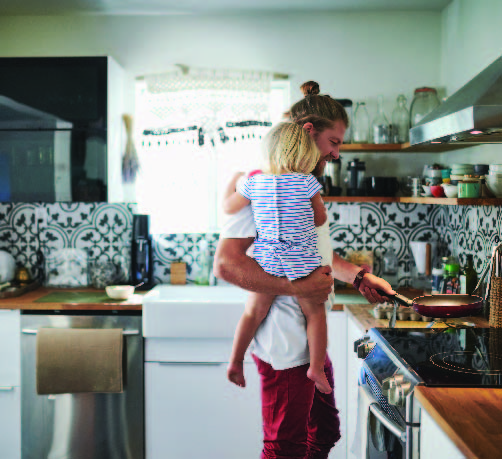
[[352, 55], [470, 41]]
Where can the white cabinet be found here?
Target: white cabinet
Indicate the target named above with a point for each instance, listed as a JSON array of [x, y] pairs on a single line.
[[434, 443], [10, 379], [192, 410], [353, 367], [337, 350]]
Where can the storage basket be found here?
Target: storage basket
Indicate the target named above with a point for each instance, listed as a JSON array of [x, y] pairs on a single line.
[[496, 302]]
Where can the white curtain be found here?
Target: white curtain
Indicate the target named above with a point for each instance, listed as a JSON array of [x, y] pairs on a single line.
[[196, 128]]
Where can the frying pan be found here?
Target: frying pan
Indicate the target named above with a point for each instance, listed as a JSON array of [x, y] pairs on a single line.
[[441, 306]]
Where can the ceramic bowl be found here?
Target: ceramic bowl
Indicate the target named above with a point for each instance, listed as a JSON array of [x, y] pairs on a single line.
[[120, 292], [437, 191], [451, 191], [427, 190], [494, 185]]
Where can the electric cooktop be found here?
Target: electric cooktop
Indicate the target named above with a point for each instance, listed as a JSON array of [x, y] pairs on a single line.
[[470, 357]]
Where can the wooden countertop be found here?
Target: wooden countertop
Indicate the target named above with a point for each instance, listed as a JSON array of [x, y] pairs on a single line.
[[363, 316], [478, 435], [28, 301]]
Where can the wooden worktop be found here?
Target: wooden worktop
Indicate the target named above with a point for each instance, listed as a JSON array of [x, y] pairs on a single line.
[[28, 301], [471, 417]]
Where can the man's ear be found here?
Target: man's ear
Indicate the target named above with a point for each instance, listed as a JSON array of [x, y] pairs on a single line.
[[309, 127]]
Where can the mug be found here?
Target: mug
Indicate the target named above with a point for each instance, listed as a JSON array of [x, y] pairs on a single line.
[[468, 189]]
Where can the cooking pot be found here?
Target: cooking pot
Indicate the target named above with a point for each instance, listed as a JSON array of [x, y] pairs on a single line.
[[442, 306], [7, 266]]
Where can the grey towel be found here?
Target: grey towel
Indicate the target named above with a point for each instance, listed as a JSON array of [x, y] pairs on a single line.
[[79, 360]]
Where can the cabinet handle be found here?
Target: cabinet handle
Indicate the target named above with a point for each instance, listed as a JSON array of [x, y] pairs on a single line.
[[6, 388], [31, 331], [208, 364]]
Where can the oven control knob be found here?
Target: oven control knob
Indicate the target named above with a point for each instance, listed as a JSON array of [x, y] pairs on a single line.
[[398, 393], [364, 349], [389, 383]]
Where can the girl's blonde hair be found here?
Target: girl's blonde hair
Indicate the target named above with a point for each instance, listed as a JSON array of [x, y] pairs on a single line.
[[290, 148]]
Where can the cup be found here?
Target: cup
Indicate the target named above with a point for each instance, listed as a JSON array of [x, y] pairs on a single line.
[[467, 189], [416, 186]]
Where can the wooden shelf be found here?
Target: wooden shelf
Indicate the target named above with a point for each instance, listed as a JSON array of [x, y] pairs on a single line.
[[411, 200], [401, 147]]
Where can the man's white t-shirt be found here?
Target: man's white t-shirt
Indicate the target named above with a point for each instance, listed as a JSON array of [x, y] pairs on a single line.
[[281, 339]]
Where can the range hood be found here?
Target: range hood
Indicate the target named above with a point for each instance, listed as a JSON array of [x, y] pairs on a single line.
[[471, 116]]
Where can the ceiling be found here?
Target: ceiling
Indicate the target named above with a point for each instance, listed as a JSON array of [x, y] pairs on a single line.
[[145, 7]]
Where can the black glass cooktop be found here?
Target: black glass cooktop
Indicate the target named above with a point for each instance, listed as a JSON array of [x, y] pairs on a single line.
[[449, 356]]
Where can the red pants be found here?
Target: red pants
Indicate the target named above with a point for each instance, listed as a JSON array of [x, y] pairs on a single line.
[[299, 422]]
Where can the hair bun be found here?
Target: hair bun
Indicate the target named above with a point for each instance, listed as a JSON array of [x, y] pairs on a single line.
[[310, 88]]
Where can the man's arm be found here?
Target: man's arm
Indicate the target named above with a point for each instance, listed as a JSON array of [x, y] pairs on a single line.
[[232, 264], [346, 272]]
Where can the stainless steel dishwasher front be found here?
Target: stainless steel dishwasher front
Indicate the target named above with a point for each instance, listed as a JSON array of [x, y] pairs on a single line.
[[84, 425]]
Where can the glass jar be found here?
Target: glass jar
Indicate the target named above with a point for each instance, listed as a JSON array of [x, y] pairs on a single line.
[[424, 101], [360, 124], [400, 122], [380, 125]]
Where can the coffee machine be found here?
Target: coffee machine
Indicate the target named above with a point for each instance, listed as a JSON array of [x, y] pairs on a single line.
[[141, 252]]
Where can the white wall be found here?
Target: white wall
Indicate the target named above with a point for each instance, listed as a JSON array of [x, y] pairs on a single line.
[[471, 40]]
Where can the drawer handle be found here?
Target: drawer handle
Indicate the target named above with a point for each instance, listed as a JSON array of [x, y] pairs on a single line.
[[6, 388], [31, 331]]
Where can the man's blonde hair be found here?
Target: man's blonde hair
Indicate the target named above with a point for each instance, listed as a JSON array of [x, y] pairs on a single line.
[[289, 148]]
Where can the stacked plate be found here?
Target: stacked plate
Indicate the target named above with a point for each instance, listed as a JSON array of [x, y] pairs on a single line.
[[494, 179], [462, 169]]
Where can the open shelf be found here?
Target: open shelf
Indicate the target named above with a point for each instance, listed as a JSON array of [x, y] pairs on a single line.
[[411, 200], [401, 147]]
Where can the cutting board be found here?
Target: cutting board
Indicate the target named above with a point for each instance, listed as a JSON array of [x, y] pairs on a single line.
[[76, 297]]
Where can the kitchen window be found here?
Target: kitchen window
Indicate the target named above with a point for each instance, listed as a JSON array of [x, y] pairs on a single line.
[[195, 129]]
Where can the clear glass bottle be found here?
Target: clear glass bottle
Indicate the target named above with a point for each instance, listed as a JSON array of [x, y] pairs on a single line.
[[390, 267], [361, 124], [380, 125], [424, 101], [468, 277], [400, 122]]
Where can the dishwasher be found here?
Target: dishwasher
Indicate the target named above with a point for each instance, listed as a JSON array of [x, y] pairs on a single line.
[[83, 425]]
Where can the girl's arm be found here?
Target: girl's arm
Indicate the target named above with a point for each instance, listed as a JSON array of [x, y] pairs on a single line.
[[320, 213], [233, 201]]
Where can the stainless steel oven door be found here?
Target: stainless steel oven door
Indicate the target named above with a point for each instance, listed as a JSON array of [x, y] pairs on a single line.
[[385, 439]]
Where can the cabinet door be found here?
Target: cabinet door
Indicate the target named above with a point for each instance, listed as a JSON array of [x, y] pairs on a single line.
[[192, 411], [10, 348], [10, 422], [353, 368], [337, 350], [434, 443]]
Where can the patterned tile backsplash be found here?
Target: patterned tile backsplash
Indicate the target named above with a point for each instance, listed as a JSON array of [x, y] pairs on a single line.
[[103, 232]]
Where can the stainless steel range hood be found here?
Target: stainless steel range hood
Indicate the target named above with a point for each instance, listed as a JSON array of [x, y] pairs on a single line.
[[473, 115]]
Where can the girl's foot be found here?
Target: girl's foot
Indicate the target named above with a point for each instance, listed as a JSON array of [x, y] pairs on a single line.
[[321, 382], [235, 373]]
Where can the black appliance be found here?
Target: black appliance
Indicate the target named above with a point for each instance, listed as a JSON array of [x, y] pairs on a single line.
[[355, 178], [397, 360], [141, 252]]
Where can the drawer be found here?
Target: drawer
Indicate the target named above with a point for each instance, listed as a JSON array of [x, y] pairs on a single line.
[[10, 422], [10, 348]]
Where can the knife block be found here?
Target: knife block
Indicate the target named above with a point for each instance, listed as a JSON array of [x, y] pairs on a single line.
[[178, 273]]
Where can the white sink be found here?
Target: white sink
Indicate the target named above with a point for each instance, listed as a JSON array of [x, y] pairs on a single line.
[[190, 311]]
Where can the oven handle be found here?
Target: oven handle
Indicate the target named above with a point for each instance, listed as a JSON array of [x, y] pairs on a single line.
[[31, 331], [380, 414]]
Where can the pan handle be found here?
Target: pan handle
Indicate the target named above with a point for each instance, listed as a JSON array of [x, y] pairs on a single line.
[[399, 298]]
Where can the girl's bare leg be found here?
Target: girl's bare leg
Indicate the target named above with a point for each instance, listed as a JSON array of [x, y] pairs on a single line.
[[317, 336], [257, 307]]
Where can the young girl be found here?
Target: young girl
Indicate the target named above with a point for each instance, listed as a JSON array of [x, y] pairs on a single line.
[[287, 207]]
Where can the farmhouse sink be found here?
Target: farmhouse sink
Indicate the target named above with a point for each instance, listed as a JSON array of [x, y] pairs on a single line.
[[181, 311]]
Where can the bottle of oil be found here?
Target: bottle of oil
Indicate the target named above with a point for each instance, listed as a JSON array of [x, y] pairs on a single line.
[[468, 277]]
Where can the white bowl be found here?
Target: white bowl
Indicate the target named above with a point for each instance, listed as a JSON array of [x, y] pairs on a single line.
[[494, 185], [120, 292], [427, 190], [451, 191]]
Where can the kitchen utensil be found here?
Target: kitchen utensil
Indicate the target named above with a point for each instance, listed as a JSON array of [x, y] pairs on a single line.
[[392, 320], [381, 186], [120, 292], [7, 266], [424, 101], [468, 189], [355, 178], [437, 191], [441, 306], [361, 124]]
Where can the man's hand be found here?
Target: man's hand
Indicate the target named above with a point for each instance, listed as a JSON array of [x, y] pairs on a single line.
[[369, 285], [316, 286]]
